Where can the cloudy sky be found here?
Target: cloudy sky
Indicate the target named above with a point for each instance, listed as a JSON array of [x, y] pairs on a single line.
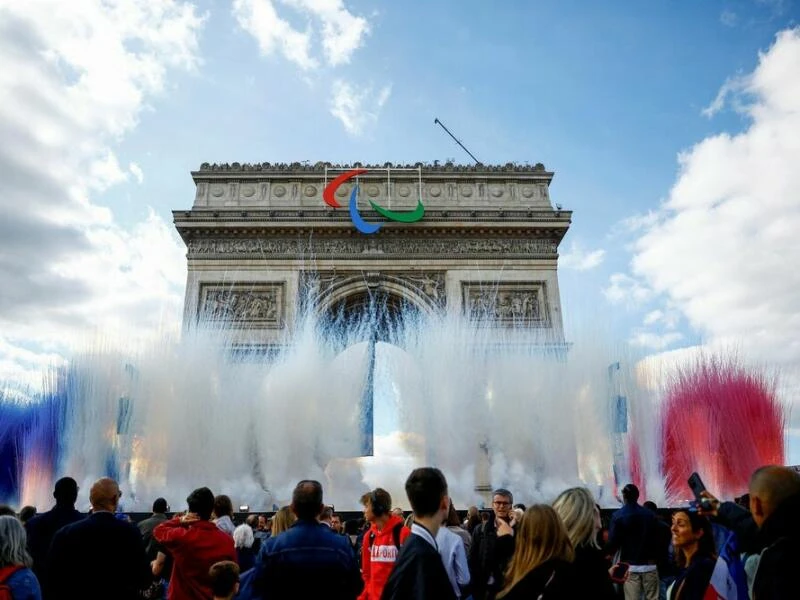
[[674, 132]]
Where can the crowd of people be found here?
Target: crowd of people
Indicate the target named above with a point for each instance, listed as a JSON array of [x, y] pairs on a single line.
[[305, 551]]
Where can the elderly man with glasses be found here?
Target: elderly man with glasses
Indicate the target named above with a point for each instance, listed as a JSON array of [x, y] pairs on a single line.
[[488, 559]]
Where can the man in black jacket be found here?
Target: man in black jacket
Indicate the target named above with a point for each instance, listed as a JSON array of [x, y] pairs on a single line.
[[101, 556], [41, 529], [487, 561], [775, 510], [419, 573]]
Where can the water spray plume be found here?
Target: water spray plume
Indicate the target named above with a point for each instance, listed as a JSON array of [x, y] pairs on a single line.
[[722, 421]]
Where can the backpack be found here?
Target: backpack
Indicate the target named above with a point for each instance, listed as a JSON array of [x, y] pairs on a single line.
[[395, 536], [5, 575]]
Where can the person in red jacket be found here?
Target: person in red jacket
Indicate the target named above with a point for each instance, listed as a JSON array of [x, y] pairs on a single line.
[[381, 543], [195, 544]]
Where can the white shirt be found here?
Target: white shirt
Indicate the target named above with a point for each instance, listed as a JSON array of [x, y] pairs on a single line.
[[454, 557]]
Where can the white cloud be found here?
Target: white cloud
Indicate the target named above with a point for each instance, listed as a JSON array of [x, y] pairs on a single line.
[[725, 247], [342, 33], [357, 110], [274, 34], [581, 260], [75, 79], [728, 18], [655, 341], [136, 171], [729, 90], [624, 288]]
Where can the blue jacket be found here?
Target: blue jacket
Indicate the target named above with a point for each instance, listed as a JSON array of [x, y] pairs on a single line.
[[24, 585], [634, 531], [307, 561]]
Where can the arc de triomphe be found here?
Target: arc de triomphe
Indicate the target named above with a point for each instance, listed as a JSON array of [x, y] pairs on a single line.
[[260, 239]]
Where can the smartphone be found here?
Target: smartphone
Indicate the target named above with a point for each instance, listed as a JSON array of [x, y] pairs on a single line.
[[619, 571], [696, 485]]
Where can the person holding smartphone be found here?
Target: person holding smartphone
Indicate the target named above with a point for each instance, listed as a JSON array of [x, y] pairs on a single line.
[[634, 533]]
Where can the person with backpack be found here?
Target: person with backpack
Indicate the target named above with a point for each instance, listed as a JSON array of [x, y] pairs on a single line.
[[17, 581], [381, 543]]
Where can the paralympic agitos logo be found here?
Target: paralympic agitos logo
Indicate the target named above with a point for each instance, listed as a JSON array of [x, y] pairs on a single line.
[[355, 216]]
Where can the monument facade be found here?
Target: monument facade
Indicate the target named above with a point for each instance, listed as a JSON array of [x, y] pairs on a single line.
[[262, 240]]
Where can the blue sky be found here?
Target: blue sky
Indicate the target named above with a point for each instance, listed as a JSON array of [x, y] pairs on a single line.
[[108, 108], [606, 96]]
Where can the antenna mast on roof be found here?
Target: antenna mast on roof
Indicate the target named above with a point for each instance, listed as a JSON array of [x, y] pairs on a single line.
[[438, 122]]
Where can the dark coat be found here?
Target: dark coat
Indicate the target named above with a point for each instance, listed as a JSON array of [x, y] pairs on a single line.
[[553, 580], [740, 521], [98, 558], [40, 531], [307, 561], [692, 583], [635, 532], [488, 557], [779, 537], [591, 571], [418, 574]]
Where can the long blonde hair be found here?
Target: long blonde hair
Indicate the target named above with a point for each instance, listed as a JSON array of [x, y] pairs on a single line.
[[576, 507], [541, 536], [282, 520]]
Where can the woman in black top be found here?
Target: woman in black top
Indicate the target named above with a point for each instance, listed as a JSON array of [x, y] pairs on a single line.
[[693, 541], [541, 564], [578, 511]]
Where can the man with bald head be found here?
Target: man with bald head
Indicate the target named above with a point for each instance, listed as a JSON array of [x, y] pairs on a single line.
[[309, 560], [101, 556], [775, 512]]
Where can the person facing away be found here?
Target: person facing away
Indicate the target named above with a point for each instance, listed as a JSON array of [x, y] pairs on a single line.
[[41, 528], [541, 566], [308, 560], [15, 562], [487, 562], [634, 532], [224, 577], [453, 550], [244, 540], [419, 573], [382, 542], [581, 518], [772, 527], [195, 543], [98, 557], [223, 514]]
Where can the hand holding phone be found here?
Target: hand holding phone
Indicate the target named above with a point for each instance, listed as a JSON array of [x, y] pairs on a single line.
[[619, 572], [696, 485]]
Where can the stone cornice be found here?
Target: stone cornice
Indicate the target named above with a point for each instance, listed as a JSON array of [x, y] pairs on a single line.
[[499, 216], [296, 169]]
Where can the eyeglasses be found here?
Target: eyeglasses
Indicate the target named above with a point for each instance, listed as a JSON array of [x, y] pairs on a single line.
[[501, 503]]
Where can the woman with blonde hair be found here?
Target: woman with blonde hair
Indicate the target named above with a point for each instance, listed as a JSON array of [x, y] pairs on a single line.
[[281, 521], [541, 564], [578, 511]]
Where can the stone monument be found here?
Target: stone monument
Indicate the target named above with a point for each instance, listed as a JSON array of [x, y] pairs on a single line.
[[261, 240]]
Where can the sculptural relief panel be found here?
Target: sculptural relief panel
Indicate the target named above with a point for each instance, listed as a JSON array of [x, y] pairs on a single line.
[[509, 304], [243, 305], [365, 246]]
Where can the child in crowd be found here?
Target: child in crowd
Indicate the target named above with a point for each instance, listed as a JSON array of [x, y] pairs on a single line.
[[224, 579]]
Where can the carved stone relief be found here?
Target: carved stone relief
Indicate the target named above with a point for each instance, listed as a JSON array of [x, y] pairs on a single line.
[[372, 245], [510, 304], [256, 305]]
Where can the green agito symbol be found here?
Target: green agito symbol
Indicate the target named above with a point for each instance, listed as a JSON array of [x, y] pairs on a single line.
[[364, 227]]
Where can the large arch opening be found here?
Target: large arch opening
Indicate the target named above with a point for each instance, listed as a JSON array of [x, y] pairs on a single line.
[[376, 314]]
